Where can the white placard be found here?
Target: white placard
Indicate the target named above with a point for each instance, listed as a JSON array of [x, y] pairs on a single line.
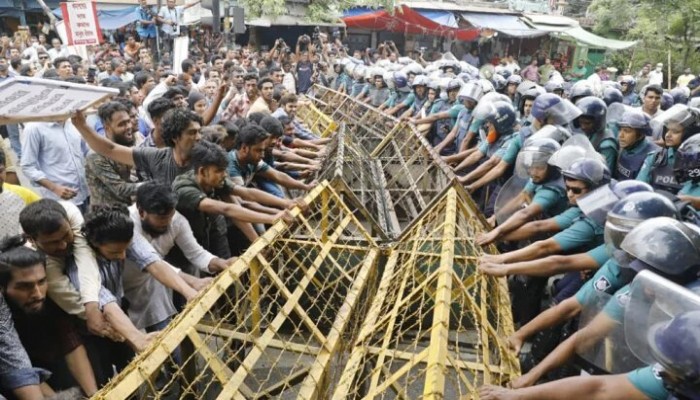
[[82, 26], [29, 99], [180, 53]]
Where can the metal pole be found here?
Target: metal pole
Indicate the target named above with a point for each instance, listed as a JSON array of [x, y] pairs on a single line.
[[159, 4], [669, 70]]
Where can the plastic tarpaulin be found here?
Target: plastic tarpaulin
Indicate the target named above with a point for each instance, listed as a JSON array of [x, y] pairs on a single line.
[[407, 20], [509, 25], [111, 19], [589, 39], [445, 18]]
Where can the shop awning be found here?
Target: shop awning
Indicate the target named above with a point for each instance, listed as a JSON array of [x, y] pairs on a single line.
[[549, 23], [289, 20], [408, 21], [589, 39], [567, 28], [445, 18], [510, 25]]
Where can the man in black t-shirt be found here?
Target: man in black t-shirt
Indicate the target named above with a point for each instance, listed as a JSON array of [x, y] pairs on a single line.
[[305, 69]]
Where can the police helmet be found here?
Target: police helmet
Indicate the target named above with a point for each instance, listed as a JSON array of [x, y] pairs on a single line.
[[630, 211], [666, 101], [592, 171], [499, 82], [470, 91], [579, 90], [687, 160], [675, 344], [419, 80], [680, 95], [530, 94], [514, 80], [486, 85], [400, 80], [453, 84], [594, 108], [550, 108], [612, 95], [636, 119], [629, 81], [502, 117], [666, 246], [554, 87]]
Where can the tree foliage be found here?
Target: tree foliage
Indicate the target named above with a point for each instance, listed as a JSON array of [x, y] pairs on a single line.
[[660, 26], [318, 10]]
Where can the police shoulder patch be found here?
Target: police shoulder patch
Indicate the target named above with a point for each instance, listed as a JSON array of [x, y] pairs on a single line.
[[623, 298], [602, 284]]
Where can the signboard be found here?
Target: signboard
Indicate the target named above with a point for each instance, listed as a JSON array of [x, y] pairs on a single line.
[[82, 26], [180, 52], [44, 100]]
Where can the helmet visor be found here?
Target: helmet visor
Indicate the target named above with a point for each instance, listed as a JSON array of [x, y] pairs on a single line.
[[653, 303]]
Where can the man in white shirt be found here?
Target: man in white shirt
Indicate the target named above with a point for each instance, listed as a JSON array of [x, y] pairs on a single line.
[[171, 16], [656, 77], [57, 49], [157, 221]]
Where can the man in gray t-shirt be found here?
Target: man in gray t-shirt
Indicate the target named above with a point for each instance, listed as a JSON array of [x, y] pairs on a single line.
[[181, 131]]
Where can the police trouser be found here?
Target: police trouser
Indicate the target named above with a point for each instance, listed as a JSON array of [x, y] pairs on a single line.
[[526, 297]]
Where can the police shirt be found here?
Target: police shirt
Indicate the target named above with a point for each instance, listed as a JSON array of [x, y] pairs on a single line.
[[690, 188], [551, 201], [511, 153], [583, 232], [608, 279], [648, 381], [644, 174], [566, 219]]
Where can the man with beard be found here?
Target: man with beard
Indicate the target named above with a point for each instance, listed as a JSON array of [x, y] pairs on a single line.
[[24, 285], [155, 218], [110, 182], [181, 131]]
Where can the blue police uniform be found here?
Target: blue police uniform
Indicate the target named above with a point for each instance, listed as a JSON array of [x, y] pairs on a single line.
[[442, 127], [550, 196], [648, 381], [630, 160], [657, 170], [690, 188]]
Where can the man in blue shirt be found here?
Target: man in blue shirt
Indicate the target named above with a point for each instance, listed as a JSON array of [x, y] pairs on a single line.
[[146, 21], [54, 159]]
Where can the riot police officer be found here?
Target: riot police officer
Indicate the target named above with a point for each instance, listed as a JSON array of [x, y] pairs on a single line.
[[592, 122], [662, 245], [415, 100], [443, 115], [677, 124], [629, 95], [547, 109], [634, 145], [544, 189], [469, 95], [687, 170]]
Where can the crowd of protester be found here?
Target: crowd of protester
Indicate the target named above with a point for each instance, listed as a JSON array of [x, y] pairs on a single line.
[[113, 221]]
